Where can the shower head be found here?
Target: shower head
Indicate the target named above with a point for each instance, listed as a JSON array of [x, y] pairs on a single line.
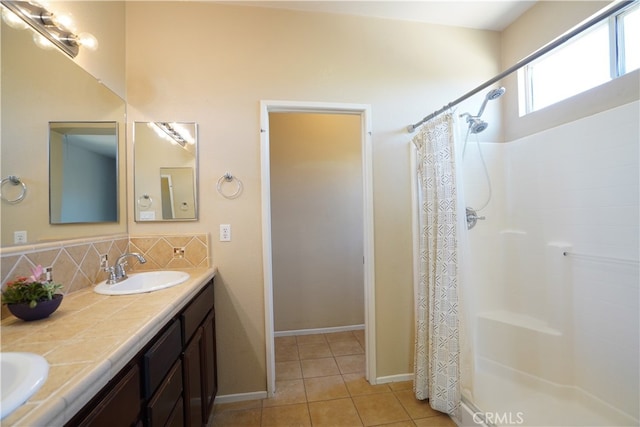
[[491, 95], [476, 125], [495, 93]]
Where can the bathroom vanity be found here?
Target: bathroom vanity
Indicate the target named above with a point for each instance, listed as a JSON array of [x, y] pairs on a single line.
[[158, 369]]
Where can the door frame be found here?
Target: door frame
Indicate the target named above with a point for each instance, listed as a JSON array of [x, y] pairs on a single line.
[[364, 111]]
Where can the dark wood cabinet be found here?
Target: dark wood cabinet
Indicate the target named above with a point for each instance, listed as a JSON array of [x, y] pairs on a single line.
[[193, 380], [177, 416], [168, 396], [171, 382], [162, 355], [118, 404], [211, 378], [199, 358]]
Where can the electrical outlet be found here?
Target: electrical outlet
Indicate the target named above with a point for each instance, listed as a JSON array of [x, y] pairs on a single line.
[[104, 263], [178, 252], [225, 232], [19, 237]]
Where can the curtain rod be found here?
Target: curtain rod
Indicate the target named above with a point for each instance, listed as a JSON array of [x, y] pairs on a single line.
[[535, 55]]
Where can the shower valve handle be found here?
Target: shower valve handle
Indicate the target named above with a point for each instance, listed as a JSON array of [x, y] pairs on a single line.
[[472, 218]]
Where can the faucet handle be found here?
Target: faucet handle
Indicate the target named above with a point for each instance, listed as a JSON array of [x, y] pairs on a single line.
[[112, 274], [119, 268]]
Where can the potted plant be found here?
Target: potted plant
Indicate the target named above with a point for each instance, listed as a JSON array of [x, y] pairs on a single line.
[[33, 297]]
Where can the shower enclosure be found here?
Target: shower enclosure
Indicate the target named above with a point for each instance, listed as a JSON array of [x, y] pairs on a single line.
[[549, 299]]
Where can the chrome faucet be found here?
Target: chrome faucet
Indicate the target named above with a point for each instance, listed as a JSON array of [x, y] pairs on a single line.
[[117, 273]]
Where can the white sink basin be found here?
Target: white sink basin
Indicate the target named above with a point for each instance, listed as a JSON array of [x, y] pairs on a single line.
[[139, 283], [21, 375]]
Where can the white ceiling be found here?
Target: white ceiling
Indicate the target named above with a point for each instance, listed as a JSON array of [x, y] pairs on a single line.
[[486, 15]]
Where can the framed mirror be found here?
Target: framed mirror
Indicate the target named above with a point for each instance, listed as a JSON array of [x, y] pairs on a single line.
[[83, 172], [165, 171]]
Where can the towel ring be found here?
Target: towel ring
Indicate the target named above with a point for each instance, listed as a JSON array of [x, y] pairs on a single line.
[[145, 201], [15, 181], [227, 177]]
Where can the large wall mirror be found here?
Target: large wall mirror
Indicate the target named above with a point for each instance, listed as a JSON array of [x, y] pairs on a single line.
[[165, 171], [39, 87], [83, 172]]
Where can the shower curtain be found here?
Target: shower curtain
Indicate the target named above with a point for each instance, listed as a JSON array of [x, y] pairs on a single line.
[[437, 352]]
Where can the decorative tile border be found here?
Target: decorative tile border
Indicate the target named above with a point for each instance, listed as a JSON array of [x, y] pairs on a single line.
[[192, 251]]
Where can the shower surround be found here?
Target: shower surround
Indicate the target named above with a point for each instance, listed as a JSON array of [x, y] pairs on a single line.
[[553, 339]]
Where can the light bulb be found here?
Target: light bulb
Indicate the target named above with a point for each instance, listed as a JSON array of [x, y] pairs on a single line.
[[12, 20], [88, 41], [63, 20], [42, 42], [157, 130], [184, 133]]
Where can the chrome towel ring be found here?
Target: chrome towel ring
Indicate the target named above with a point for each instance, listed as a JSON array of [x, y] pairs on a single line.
[[227, 177], [15, 181], [145, 201]]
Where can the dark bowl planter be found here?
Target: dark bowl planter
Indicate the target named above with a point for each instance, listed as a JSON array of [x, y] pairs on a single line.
[[40, 311]]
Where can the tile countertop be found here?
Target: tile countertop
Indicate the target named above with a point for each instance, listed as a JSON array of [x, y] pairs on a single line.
[[88, 340]]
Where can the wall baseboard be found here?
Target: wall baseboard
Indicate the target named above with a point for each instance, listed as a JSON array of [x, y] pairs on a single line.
[[394, 378], [230, 398], [318, 330]]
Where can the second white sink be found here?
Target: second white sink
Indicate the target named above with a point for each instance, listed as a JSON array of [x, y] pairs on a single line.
[[139, 283], [22, 375]]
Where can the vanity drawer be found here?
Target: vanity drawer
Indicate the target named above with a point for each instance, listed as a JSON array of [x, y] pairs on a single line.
[[161, 408], [119, 407], [195, 313], [176, 419], [160, 357]]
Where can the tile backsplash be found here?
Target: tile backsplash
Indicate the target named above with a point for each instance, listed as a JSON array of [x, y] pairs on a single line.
[[76, 263], [160, 251]]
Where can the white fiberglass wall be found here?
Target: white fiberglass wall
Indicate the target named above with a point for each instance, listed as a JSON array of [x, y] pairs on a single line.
[[567, 327]]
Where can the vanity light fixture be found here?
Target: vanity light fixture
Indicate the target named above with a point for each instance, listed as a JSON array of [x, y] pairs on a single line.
[[174, 133], [49, 27]]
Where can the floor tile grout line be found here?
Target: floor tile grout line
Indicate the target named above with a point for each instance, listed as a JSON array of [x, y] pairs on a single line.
[[401, 405]]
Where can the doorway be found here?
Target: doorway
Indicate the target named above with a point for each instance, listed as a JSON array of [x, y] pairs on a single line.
[[362, 112]]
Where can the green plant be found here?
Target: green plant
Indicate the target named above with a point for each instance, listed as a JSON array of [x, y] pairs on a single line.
[[31, 290]]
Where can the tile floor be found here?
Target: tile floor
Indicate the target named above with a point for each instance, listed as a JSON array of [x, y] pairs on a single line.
[[320, 382]]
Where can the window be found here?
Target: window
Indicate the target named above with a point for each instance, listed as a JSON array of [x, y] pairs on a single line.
[[602, 53], [630, 30]]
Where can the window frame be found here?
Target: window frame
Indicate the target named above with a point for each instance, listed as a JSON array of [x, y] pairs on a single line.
[[616, 54]]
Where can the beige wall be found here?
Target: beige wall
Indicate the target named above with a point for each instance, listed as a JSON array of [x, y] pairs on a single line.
[[316, 220], [105, 20], [213, 63], [525, 36]]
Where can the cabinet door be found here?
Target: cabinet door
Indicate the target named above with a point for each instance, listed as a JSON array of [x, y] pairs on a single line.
[[192, 362], [120, 406], [211, 380]]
